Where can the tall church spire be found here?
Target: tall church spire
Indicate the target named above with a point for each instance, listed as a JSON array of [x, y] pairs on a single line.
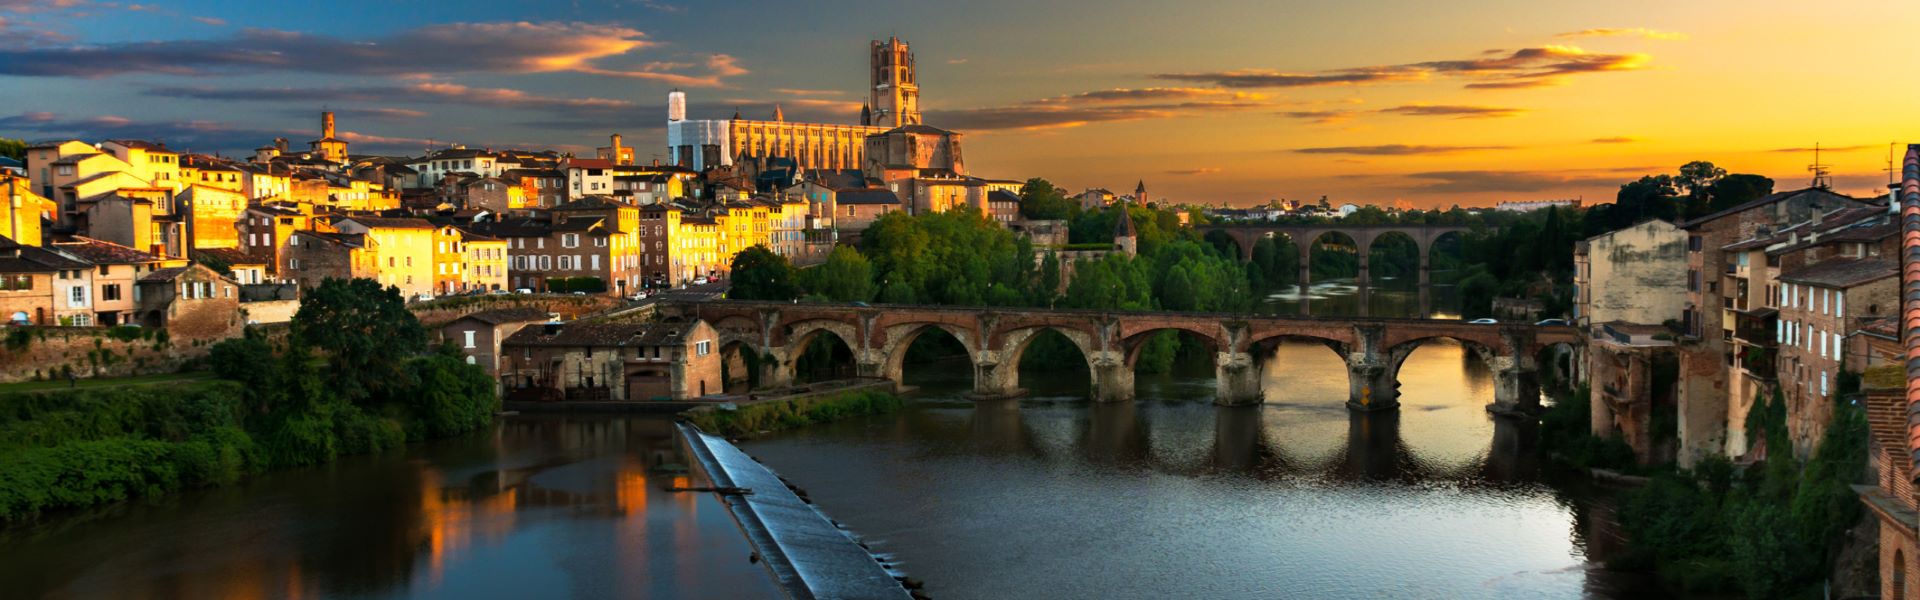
[[777, 114]]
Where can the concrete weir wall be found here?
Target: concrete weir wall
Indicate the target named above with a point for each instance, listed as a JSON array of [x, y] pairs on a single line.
[[809, 556]]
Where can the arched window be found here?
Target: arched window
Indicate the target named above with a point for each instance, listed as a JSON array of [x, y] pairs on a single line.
[[1899, 589]]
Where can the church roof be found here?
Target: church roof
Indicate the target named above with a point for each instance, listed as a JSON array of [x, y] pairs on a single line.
[[1123, 226]]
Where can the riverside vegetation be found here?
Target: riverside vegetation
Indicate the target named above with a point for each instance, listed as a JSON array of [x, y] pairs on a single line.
[[776, 415], [1772, 529], [355, 376]]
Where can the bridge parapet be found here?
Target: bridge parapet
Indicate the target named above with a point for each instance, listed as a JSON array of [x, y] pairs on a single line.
[[995, 339]]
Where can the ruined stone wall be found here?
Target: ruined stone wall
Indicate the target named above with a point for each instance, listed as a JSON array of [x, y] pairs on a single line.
[[32, 353]]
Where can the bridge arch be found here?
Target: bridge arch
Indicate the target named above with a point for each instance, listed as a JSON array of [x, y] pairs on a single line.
[[1015, 343], [1389, 249], [801, 335], [1133, 344], [899, 338], [1399, 352]]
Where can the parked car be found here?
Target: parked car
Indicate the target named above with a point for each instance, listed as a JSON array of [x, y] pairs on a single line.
[[700, 281], [1483, 322], [523, 291], [1556, 322], [638, 296], [579, 293]]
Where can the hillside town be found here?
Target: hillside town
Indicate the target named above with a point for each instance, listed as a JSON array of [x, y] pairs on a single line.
[[1698, 324]]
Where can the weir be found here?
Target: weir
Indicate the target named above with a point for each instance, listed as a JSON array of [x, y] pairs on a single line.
[[807, 554]]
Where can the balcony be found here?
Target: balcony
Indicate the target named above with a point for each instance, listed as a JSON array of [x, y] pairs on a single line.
[[1758, 362]]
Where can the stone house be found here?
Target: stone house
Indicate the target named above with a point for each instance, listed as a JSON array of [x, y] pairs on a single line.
[[117, 270], [479, 335], [191, 302], [1708, 322], [315, 256], [637, 362], [39, 286], [1819, 306]]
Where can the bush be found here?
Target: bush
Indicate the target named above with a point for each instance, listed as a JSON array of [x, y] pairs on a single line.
[[787, 414]]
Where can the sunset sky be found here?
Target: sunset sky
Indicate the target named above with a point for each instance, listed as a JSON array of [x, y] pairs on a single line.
[[1431, 104]]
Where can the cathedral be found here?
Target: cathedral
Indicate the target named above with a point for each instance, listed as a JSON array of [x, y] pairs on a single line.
[[893, 102]]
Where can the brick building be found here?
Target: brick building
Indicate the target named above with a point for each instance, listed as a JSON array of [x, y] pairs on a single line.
[[1819, 306], [479, 335], [1708, 320], [315, 256], [639, 362], [191, 302]]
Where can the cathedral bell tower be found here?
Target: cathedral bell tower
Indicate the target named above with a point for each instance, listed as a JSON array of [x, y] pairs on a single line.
[[896, 93]]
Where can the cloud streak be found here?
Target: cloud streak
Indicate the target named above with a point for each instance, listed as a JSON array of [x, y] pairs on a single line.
[[1397, 150], [516, 47], [1638, 32], [1452, 111], [1496, 69], [1098, 106], [1456, 182]]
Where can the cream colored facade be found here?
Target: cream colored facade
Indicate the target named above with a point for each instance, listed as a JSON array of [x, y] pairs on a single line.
[[21, 210], [486, 263], [215, 215], [1634, 275], [405, 251]]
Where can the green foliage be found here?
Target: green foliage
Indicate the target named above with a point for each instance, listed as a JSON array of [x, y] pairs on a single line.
[[846, 276], [759, 274], [568, 285], [447, 397], [957, 257], [274, 408], [14, 149], [1566, 434], [1040, 200], [786, 414], [364, 331], [1768, 534]]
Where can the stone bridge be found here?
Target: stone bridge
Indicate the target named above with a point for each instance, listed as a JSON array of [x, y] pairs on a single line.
[[1363, 236], [777, 334]]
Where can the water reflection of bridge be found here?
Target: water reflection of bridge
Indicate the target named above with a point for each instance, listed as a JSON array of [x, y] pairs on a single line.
[[1243, 440]]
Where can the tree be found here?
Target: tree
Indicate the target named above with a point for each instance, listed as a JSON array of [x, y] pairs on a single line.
[[1736, 189], [1695, 177], [759, 274], [364, 330], [1040, 200], [845, 277], [14, 149]]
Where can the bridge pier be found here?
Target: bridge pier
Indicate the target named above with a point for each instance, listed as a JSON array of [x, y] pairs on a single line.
[[1373, 383], [1306, 282], [995, 379], [1238, 374], [1112, 381], [776, 373], [1516, 387]]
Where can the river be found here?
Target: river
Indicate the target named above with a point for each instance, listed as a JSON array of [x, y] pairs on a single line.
[[1048, 496]]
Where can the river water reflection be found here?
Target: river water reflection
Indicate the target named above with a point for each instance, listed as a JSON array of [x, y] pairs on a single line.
[[535, 508], [1172, 497]]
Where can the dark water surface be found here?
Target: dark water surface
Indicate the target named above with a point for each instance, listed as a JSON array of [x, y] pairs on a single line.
[[1172, 497], [535, 508]]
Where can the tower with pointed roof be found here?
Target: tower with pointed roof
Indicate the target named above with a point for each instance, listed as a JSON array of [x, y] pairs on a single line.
[[1140, 192], [1125, 239]]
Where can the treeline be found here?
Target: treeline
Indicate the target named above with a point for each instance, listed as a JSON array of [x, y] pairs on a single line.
[[962, 258], [355, 376]]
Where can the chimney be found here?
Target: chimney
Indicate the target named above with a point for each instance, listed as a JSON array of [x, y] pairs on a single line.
[[280, 144], [326, 124]]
